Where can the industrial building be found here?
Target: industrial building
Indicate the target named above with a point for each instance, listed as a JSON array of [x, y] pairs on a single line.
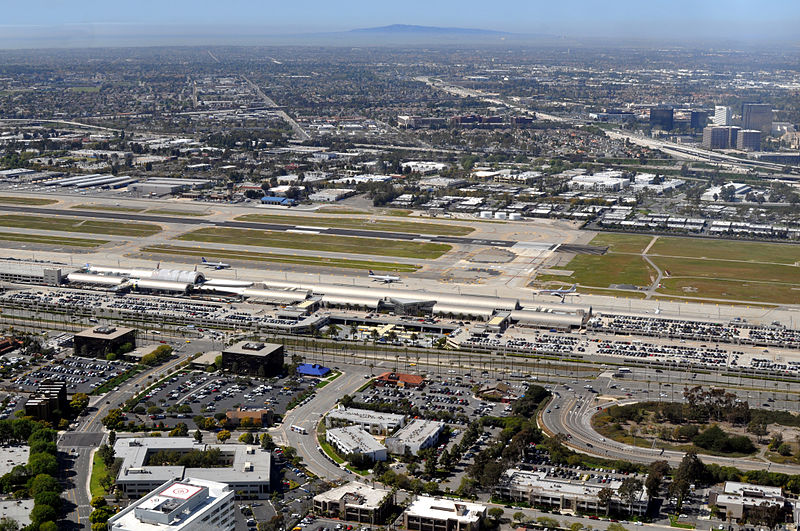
[[355, 502], [541, 490], [100, 341], [736, 498], [354, 440], [255, 359], [49, 402], [163, 186], [179, 505], [415, 436], [375, 422], [247, 470], [438, 514]]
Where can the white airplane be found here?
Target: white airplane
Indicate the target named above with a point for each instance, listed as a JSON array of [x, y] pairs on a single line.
[[215, 265], [386, 279], [559, 292]]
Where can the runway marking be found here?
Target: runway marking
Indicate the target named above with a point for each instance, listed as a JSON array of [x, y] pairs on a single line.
[[309, 227], [296, 231]]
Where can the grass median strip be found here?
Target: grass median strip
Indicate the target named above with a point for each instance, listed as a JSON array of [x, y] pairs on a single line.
[[413, 227], [224, 254], [177, 213], [51, 240], [36, 201], [319, 242], [89, 226], [109, 208]]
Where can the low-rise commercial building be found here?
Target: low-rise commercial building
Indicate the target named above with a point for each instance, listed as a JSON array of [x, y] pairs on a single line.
[[179, 505], [374, 422], [354, 440], [736, 499], [100, 341], [415, 436], [396, 379], [436, 514], [253, 358], [250, 417], [540, 490], [355, 502], [246, 469]]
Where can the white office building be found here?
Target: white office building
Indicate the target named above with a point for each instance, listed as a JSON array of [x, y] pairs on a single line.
[[722, 115], [374, 422], [415, 436], [179, 505], [437, 514], [354, 440]]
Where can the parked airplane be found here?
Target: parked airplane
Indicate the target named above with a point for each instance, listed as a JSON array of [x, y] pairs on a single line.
[[215, 265], [386, 279], [559, 292]]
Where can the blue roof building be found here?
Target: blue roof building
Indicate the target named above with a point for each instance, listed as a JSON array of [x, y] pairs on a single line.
[[307, 369], [275, 200]]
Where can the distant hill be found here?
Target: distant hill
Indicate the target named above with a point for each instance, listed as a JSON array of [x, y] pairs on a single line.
[[410, 29]]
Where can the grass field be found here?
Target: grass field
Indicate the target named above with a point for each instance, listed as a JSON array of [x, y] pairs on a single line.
[[51, 240], [110, 208], [361, 223], [223, 254], [167, 212], [602, 271], [718, 269], [80, 225], [727, 250], [36, 201], [622, 243], [318, 242], [98, 472], [732, 289], [630, 294]]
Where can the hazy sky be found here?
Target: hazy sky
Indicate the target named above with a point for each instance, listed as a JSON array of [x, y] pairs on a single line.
[[732, 19]]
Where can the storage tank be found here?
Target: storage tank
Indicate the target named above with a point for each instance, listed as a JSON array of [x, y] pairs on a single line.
[[515, 216], [500, 215], [486, 214]]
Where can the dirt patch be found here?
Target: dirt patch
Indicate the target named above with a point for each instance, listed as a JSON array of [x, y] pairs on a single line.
[[492, 255], [472, 275]]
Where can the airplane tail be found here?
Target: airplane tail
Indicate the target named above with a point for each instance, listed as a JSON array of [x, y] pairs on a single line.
[[203, 259], [371, 273]]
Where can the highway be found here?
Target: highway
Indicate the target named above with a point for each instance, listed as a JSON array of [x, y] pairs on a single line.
[[188, 220], [571, 410], [308, 416]]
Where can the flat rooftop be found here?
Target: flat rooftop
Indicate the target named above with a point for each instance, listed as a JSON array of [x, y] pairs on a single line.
[[366, 416], [442, 509], [356, 495], [253, 348], [356, 438], [418, 431], [104, 332]]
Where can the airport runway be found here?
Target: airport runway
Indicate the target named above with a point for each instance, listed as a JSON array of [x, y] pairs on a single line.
[[300, 229]]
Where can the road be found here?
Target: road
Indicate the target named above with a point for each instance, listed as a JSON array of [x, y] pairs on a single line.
[[570, 412], [308, 416], [302, 135], [304, 229]]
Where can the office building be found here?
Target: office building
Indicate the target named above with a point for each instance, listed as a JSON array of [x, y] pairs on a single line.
[[354, 440], [757, 116], [722, 115], [436, 514], [733, 136], [355, 502], [250, 417], [100, 341], [736, 499], [716, 137], [698, 120], [662, 119], [749, 140], [539, 489], [190, 504], [255, 359], [49, 401], [247, 470], [375, 422], [415, 436]]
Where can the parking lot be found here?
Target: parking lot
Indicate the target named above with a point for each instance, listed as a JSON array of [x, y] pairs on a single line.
[[82, 375], [196, 393], [10, 403]]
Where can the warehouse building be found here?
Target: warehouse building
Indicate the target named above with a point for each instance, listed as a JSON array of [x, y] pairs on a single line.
[[255, 359], [179, 505], [100, 341], [354, 440], [355, 502], [437, 514], [415, 436], [541, 490], [374, 422], [247, 470]]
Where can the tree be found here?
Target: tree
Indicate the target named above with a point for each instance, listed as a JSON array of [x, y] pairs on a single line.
[[223, 436], [266, 441], [98, 501], [43, 464], [616, 527], [518, 516], [246, 438], [113, 420], [78, 403], [604, 498], [198, 436], [106, 453], [112, 438], [43, 513], [629, 491], [181, 430], [496, 513], [43, 483], [7, 524]]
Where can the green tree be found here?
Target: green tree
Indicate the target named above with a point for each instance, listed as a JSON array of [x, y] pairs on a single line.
[[43, 483], [43, 464], [246, 438], [198, 436], [78, 403], [604, 496], [48, 526], [223, 436], [98, 501], [181, 430], [266, 442], [113, 420], [518, 516], [43, 513], [629, 491], [8, 524], [496, 513]]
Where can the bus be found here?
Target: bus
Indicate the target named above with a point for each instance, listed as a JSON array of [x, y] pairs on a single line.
[[298, 429]]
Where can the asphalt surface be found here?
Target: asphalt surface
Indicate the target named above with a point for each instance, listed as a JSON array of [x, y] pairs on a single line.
[[128, 216], [308, 416]]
